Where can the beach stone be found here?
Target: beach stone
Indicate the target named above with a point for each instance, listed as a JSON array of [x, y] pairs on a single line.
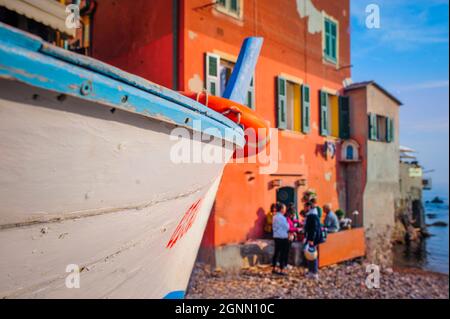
[[337, 282]]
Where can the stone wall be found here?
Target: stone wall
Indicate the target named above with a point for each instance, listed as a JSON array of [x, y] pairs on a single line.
[[234, 257], [409, 211]]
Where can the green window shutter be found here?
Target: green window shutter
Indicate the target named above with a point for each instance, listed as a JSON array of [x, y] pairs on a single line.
[[327, 38], [251, 95], [281, 85], [330, 41], [324, 125], [391, 129], [234, 6], [388, 129], [306, 109], [212, 74], [333, 43], [372, 126], [344, 117]]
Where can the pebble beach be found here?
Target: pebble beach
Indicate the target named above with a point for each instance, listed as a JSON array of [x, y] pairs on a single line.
[[343, 281]]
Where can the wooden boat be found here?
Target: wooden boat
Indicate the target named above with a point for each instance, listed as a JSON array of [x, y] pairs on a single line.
[[92, 204]]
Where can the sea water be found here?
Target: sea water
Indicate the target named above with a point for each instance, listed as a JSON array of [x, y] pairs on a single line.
[[436, 247], [432, 253]]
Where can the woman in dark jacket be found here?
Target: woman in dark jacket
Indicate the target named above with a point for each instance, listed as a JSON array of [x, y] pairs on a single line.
[[313, 233]]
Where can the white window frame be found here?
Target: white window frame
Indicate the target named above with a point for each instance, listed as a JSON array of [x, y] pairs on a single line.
[[216, 79], [227, 8], [298, 82]]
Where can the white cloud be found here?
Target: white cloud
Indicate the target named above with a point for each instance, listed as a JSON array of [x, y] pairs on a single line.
[[405, 24], [438, 84]]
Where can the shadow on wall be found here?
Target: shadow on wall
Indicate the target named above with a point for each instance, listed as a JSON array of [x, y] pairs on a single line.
[[257, 231]]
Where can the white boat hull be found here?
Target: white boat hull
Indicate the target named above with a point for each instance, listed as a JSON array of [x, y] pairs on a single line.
[[82, 185]]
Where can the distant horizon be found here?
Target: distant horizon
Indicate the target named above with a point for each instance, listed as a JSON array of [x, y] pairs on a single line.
[[440, 190]]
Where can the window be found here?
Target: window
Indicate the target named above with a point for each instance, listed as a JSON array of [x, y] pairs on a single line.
[[334, 115], [230, 7], [281, 105], [330, 39], [306, 109], [350, 151], [381, 128], [344, 117], [212, 74], [324, 118], [218, 73], [390, 133], [251, 95], [349, 154], [372, 126], [293, 106], [225, 70]]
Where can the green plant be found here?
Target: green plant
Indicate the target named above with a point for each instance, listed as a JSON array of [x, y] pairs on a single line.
[[340, 213]]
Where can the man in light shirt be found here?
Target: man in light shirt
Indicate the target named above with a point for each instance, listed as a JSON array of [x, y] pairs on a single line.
[[331, 220], [280, 228]]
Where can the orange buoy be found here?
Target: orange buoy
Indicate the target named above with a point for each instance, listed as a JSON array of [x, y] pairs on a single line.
[[256, 129]]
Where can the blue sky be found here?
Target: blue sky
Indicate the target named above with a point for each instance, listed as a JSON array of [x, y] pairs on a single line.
[[408, 55]]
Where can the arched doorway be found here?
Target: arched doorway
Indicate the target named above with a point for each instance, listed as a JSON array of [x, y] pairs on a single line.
[[287, 195]]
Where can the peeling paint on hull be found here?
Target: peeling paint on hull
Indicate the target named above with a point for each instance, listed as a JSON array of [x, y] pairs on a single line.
[[103, 188], [86, 178]]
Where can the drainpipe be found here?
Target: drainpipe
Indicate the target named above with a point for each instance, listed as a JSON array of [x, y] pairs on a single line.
[[175, 44], [89, 10], [347, 201]]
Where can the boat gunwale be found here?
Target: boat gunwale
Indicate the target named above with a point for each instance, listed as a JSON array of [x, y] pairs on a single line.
[[26, 57]]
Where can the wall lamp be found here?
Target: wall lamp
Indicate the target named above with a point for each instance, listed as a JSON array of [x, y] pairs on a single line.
[[275, 183], [300, 182]]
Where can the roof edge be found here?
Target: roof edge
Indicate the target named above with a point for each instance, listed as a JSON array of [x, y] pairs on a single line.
[[360, 85]]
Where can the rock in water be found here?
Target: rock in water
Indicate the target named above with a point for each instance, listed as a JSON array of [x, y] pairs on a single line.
[[438, 224], [437, 200]]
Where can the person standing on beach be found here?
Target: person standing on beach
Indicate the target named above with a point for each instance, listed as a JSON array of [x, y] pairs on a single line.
[[269, 220], [280, 228], [313, 233], [316, 207]]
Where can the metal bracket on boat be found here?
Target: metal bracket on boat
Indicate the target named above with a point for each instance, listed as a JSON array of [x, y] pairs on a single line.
[[86, 88], [235, 111], [206, 95], [230, 109]]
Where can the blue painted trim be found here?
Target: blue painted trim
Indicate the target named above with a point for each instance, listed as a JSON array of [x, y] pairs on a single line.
[[179, 294], [243, 71], [23, 59], [20, 38], [131, 79]]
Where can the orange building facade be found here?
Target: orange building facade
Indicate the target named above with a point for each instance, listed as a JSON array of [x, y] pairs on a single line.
[[192, 45]]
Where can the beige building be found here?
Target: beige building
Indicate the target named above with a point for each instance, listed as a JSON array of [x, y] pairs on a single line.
[[372, 177]]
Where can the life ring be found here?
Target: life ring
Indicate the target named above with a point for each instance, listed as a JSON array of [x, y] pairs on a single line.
[[256, 129]]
